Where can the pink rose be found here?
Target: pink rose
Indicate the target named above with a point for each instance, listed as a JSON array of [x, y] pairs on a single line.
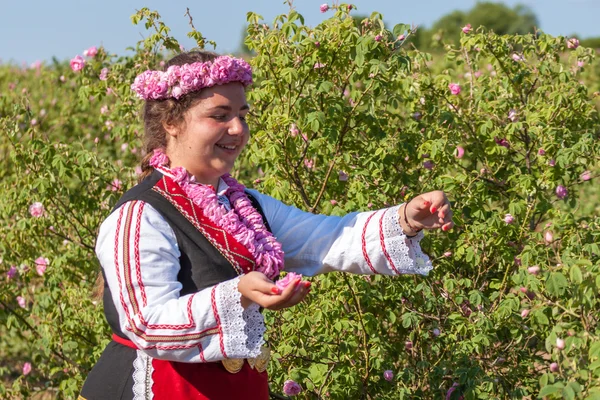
[[41, 263], [524, 313], [561, 192], [402, 37], [36, 209], [428, 164], [502, 142], [451, 390], [448, 254], [291, 388], [21, 302], [541, 152], [91, 52], [77, 63], [552, 162], [548, 237], [115, 185], [518, 57], [560, 343], [12, 272], [509, 219], [26, 368], [554, 367], [466, 29], [460, 152], [435, 332], [318, 65], [408, 345], [342, 176], [294, 131], [572, 43], [378, 38], [287, 280], [512, 115], [454, 88], [103, 74], [324, 8], [534, 270], [388, 375], [333, 202], [586, 176]]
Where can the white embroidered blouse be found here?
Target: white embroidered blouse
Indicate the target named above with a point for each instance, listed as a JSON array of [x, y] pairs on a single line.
[[211, 325]]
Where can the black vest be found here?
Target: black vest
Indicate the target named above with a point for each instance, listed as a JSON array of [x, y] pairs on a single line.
[[202, 265]]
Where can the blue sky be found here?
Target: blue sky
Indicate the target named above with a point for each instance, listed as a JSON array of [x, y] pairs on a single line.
[[40, 29]]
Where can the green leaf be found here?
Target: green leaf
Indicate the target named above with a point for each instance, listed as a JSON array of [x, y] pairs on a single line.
[[556, 284], [575, 274]]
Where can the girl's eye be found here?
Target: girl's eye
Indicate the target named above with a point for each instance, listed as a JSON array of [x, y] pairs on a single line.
[[243, 117], [219, 117]]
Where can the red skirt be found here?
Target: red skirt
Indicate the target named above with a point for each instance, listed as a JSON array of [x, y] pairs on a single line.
[[111, 378]]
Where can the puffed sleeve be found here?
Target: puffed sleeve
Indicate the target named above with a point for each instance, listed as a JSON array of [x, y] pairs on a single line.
[[361, 242], [139, 255]]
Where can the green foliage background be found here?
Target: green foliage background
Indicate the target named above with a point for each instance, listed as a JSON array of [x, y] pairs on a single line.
[[369, 106]]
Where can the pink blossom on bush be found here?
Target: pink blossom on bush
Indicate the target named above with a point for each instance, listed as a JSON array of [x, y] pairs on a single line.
[[448, 254], [388, 375], [41, 263], [115, 185], [77, 63], [586, 176], [460, 152], [408, 345], [319, 65], [534, 269], [454, 88], [436, 332], [324, 7], [560, 343], [12, 272], [548, 237], [541, 152], [294, 131], [291, 388], [502, 142], [518, 57], [513, 116], [378, 38], [509, 219], [21, 302], [26, 368], [524, 313], [402, 37], [451, 390], [572, 43], [428, 164], [91, 52], [554, 367], [467, 28], [342, 176], [333, 202], [561, 192], [36, 209], [552, 162], [103, 74]]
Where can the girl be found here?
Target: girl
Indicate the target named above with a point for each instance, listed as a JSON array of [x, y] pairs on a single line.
[[189, 256]]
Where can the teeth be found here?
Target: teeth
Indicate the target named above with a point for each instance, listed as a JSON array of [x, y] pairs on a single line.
[[227, 147]]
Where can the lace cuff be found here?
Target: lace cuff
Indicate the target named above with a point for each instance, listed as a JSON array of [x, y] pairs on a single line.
[[403, 254], [241, 330]]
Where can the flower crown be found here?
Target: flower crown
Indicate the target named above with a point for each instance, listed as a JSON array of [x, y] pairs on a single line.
[[179, 80]]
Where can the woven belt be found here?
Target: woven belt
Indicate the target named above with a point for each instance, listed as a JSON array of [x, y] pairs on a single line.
[[234, 365]]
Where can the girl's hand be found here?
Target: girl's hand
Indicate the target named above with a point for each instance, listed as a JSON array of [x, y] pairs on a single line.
[[256, 287], [426, 211]]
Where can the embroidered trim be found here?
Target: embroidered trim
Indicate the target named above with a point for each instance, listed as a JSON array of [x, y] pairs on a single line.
[[244, 328], [218, 319], [382, 241], [142, 377], [364, 243], [405, 251]]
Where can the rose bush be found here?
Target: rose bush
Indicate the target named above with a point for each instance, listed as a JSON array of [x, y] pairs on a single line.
[[344, 117]]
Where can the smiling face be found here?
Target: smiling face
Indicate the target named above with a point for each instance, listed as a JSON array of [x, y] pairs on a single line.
[[213, 134]]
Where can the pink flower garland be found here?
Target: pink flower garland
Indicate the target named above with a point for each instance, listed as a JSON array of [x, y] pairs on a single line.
[[242, 222]]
